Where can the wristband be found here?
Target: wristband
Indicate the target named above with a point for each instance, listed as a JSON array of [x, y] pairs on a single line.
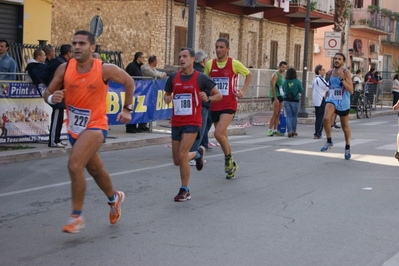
[[49, 99]]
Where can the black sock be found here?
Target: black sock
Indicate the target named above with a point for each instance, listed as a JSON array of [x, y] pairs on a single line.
[[329, 140], [347, 147]]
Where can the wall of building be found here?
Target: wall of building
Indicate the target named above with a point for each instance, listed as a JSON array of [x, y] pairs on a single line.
[[37, 21], [149, 26]]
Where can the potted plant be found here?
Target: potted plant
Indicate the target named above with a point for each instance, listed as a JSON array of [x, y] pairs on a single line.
[[386, 12], [373, 8], [362, 21]]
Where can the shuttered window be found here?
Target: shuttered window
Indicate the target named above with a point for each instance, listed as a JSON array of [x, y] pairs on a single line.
[[11, 23], [180, 41], [273, 54], [297, 56]]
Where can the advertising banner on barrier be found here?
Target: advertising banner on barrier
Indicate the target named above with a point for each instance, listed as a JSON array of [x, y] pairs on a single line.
[[25, 117]]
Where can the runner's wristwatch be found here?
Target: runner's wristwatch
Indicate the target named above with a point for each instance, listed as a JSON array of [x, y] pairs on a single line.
[[128, 107]]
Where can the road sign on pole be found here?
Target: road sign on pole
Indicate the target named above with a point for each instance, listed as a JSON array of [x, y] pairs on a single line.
[[332, 40], [96, 26]]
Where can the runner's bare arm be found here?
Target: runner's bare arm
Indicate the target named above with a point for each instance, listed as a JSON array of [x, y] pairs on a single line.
[[244, 89], [55, 85], [118, 75], [347, 81]]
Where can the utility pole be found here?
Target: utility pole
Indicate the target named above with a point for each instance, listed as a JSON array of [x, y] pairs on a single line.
[[302, 109], [192, 12]]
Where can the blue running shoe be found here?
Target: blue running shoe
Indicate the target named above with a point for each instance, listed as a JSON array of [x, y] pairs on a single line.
[[347, 154], [327, 146]]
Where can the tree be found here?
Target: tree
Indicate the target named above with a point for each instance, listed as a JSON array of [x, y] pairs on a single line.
[[340, 17]]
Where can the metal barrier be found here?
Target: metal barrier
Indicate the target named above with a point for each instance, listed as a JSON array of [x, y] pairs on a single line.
[[23, 52]]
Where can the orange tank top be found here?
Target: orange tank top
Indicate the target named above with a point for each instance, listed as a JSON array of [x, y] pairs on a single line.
[[85, 98]]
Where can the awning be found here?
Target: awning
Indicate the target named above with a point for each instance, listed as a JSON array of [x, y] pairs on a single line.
[[374, 61]]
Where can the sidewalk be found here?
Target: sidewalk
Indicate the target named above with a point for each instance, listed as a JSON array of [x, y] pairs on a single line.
[[117, 138]]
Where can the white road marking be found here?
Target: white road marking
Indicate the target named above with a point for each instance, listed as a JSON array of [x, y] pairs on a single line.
[[376, 123], [11, 193]]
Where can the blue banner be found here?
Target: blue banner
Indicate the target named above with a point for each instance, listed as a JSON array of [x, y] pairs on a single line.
[[148, 103]]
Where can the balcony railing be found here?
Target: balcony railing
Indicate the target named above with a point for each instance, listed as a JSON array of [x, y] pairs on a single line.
[[375, 20], [325, 6]]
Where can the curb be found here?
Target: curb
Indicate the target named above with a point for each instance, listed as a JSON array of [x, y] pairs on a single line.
[[34, 154]]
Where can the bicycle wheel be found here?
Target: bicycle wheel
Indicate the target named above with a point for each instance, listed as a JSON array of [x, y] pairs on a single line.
[[359, 109], [367, 109]]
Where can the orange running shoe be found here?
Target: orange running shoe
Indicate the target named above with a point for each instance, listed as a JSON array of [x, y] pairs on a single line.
[[116, 211], [74, 225]]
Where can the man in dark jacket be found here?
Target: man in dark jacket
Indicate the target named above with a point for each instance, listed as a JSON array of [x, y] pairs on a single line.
[[134, 70], [57, 116], [200, 60]]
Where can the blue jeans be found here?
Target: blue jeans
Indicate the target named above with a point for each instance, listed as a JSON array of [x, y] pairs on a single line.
[[291, 110], [204, 113]]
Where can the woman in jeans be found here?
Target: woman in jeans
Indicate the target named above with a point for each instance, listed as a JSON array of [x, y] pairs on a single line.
[[292, 88]]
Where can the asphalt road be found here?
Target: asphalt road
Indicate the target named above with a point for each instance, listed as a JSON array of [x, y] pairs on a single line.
[[289, 205]]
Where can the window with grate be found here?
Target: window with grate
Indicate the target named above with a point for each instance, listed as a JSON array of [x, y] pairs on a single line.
[[180, 41], [273, 54], [297, 56], [224, 36], [358, 4]]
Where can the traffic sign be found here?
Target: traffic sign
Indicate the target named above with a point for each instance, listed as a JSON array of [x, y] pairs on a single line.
[[96, 26], [331, 53], [332, 40]]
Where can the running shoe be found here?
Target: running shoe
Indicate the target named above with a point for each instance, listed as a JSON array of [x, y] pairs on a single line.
[[74, 225], [228, 164], [116, 211], [397, 156], [232, 174], [278, 133], [183, 195], [347, 154], [200, 161], [192, 162], [270, 133], [327, 146]]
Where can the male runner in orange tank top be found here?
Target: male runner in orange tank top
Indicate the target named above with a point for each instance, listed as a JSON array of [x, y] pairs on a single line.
[[85, 89]]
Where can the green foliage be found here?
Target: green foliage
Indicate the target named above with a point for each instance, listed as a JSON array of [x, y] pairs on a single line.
[[313, 5], [395, 16], [395, 65], [386, 12], [373, 8], [348, 10]]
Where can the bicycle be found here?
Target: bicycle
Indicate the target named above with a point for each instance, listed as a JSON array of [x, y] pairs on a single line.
[[363, 105]]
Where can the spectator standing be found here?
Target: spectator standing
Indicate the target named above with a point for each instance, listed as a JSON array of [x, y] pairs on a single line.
[[275, 94], [7, 63], [320, 87], [134, 70], [292, 88], [150, 69], [395, 89], [50, 53], [200, 61], [57, 115], [199, 64]]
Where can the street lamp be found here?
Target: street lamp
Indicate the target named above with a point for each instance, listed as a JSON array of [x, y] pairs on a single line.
[[302, 109]]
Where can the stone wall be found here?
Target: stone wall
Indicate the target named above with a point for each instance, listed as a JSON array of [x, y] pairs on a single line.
[[149, 26]]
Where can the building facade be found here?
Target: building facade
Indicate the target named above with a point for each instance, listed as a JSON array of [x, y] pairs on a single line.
[[372, 37]]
